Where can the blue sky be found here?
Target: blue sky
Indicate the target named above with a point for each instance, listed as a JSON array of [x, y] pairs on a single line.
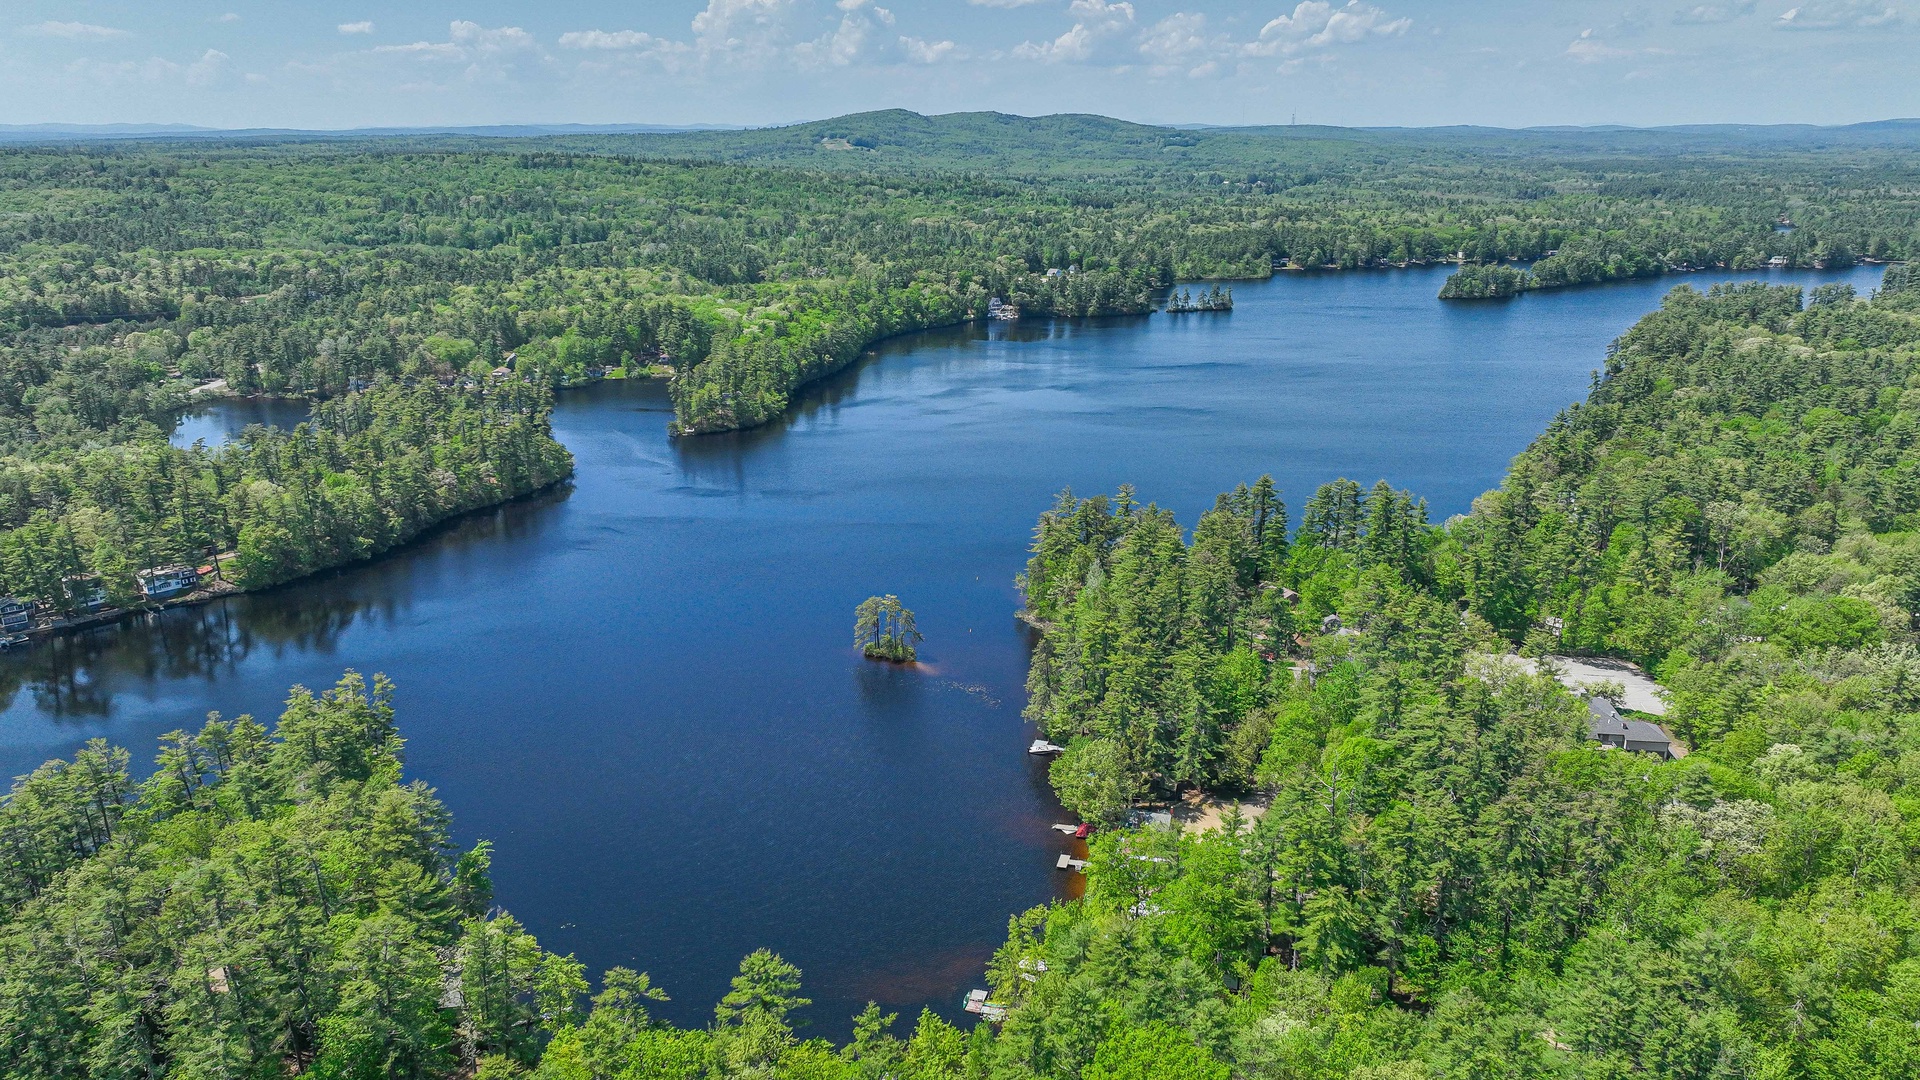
[[331, 65]]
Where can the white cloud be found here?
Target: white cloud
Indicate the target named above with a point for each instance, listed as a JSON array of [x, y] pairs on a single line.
[[1098, 19], [1187, 43], [1074, 45], [1587, 49], [1316, 24], [761, 35], [468, 41], [866, 35], [1181, 42], [75, 31], [921, 51], [1101, 12], [213, 68], [364, 26], [741, 27], [1714, 13], [865, 30], [1591, 48], [608, 39], [229, 17], [1837, 15], [1002, 3], [472, 54], [430, 50]]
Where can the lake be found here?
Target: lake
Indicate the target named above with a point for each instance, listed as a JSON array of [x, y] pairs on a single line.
[[642, 687], [215, 421]]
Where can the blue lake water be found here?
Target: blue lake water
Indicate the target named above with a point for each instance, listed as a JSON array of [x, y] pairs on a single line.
[[216, 421], [641, 686]]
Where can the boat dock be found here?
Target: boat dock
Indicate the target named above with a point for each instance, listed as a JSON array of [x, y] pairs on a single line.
[[977, 1003], [1068, 862]]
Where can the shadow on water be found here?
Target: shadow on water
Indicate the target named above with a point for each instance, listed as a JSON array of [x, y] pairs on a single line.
[[889, 690], [71, 677], [823, 400], [75, 677], [215, 421]]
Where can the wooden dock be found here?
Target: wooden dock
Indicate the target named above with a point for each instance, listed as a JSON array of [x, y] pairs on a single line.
[[1068, 862], [991, 1010]]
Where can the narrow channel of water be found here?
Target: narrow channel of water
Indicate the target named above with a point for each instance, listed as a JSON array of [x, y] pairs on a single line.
[[641, 686]]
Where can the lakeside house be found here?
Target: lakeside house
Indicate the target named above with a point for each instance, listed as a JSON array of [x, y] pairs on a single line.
[[1605, 725], [85, 592], [162, 582], [15, 615]]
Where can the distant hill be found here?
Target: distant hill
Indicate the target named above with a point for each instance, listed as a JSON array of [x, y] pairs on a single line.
[[1067, 144], [1081, 144]]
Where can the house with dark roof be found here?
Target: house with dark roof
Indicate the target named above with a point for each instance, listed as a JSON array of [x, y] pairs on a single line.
[[1606, 726]]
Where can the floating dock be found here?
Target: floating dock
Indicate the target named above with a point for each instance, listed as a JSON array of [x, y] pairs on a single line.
[[1068, 862], [977, 1003]]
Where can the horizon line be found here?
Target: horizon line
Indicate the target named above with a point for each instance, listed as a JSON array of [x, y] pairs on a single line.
[[506, 128]]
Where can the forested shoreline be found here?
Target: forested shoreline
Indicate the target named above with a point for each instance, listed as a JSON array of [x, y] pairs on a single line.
[[1449, 877], [370, 471]]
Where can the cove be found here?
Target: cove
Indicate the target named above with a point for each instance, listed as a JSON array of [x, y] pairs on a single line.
[[642, 688]]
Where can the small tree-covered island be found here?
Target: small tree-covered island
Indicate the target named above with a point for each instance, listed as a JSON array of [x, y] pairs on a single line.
[[1420, 857], [883, 630]]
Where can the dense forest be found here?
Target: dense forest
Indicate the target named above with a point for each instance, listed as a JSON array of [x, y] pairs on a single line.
[[1442, 876], [442, 276], [371, 470], [1448, 879]]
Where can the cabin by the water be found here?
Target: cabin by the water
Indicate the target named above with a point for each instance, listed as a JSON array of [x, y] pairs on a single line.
[[162, 582], [15, 615]]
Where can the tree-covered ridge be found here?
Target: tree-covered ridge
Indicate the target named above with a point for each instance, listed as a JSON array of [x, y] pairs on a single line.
[[1080, 145], [370, 471], [313, 267], [1450, 878], [1738, 492]]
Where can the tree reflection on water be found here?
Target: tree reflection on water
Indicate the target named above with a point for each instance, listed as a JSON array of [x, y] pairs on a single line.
[[73, 677], [69, 676]]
